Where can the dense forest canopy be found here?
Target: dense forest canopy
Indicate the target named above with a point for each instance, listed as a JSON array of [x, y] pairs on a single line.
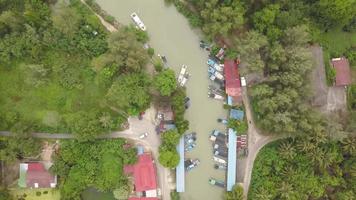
[[96, 164], [311, 167], [71, 76]]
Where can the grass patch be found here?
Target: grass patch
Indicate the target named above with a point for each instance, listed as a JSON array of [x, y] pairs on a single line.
[[329, 71], [35, 194], [337, 42]]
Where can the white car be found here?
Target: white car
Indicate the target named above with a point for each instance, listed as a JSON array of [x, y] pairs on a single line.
[[143, 135]]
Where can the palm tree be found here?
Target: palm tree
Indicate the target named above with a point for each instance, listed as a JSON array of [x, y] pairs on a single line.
[[287, 150], [263, 194], [349, 145], [305, 145], [285, 190]]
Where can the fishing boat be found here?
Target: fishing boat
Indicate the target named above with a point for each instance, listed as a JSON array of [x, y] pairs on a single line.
[[189, 147], [190, 164], [183, 75], [223, 121], [187, 102], [138, 21], [185, 79], [218, 183], [220, 166], [218, 75], [215, 96]]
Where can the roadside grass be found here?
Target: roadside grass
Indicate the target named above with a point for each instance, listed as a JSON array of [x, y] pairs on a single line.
[[35, 194]]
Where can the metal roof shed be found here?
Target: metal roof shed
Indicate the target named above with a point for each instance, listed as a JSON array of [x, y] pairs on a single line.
[[180, 172], [236, 114], [231, 165]]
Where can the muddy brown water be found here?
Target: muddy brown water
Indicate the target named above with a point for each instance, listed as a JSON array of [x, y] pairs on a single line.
[[171, 35]]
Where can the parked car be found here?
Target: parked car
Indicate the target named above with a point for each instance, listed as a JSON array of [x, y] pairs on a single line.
[[143, 135]]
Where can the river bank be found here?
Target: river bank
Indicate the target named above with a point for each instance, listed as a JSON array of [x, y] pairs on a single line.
[[171, 35]]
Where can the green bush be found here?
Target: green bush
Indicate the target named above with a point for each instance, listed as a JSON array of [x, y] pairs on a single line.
[[38, 193], [329, 71]]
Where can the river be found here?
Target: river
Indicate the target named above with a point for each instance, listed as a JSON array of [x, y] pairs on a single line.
[[171, 35]]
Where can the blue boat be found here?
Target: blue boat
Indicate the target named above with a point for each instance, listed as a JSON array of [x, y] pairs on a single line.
[[190, 164]]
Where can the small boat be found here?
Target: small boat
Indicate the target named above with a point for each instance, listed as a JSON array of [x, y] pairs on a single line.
[[218, 183], [215, 96], [219, 67], [190, 164], [185, 79], [183, 76], [220, 166], [220, 55], [223, 121], [218, 75], [190, 135], [190, 147], [211, 70], [138, 21], [187, 102]]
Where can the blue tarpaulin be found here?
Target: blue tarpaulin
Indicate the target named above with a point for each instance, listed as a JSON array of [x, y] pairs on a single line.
[[180, 171], [229, 100], [140, 150], [231, 166], [236, 114]]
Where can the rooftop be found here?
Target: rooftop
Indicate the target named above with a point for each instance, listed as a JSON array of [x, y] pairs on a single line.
[[232, 78], [343, 74], [180, 171], [35, 175], [236, 114], [231, 165], [143, 172]]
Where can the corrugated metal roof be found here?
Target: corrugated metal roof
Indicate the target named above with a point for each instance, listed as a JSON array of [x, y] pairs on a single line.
[[343, 74], [180, 172], [231, 165], [232, 79], [236, 114]]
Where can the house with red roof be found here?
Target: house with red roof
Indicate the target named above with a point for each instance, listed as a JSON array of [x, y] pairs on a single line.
[[343, 73], [144, 175], [232, 81], [35, 175]]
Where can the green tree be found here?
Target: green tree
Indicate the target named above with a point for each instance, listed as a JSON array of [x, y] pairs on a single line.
[[169, 159], [165, 82], [236, 193], [122, 193], [130, 93], [335, 12], [221, 19], [66, 19]]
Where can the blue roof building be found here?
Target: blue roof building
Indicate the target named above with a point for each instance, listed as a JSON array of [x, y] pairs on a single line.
[[180, 171], [231, 164], [236, 114]]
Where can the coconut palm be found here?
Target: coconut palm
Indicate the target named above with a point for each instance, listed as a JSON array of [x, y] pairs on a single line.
[[349, 145], [263, 194], [287, 150]]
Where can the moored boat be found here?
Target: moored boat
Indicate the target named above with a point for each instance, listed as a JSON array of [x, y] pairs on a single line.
[[218, 183], [138, 21], [220, 166], [215, 96], [190, 164]]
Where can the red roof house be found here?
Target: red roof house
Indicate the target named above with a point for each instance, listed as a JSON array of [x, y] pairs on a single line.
[[35, 175], [232, 80], [343, 74], [144, 173]]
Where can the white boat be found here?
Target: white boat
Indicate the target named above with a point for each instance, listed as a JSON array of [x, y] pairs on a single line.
[[218, 75], [219, 67], [183, 76], [215, 96], [138, 21]]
